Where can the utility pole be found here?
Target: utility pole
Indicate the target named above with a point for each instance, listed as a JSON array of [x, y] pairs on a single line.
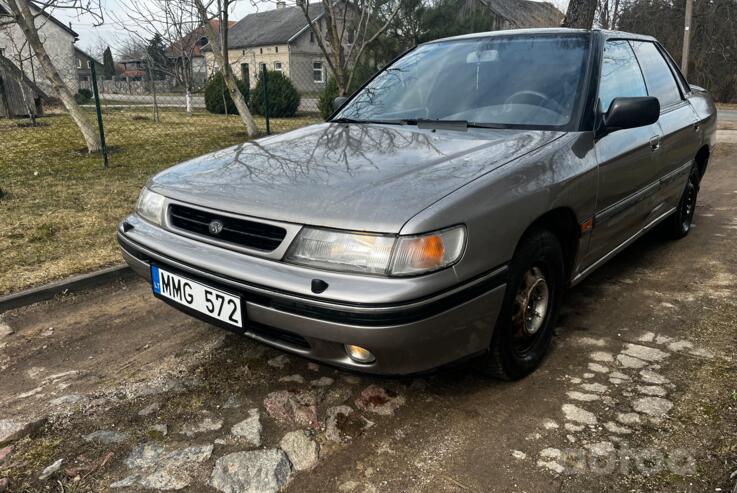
[[686, 37]]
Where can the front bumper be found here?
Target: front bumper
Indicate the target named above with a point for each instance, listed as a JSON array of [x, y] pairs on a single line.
[[407, 336]]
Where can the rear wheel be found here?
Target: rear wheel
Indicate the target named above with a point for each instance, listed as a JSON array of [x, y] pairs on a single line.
[[534, 291], [678, 224]]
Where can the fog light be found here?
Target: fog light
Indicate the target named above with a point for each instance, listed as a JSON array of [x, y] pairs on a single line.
[[359, 354]]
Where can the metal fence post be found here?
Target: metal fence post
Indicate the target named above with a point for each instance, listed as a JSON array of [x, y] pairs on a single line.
[[100, 127], [266, 100]]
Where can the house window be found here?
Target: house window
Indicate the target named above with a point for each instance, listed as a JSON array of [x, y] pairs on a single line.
[[89, 64], [278, 66], [261, 50], [317, 73], [262, 67], [244, 72], [312, 37], [276, 49], [79, 63]]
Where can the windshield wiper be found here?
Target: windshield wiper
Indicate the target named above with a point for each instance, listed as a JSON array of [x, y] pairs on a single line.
[[353, 120], [448, 124], [436, 124]]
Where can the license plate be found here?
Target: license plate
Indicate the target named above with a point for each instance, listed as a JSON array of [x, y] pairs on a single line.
[[197, 296]]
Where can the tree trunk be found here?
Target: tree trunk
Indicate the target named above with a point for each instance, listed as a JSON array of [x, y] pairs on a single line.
[[23, 16], [220, 51], [580, 14], [188, 98]]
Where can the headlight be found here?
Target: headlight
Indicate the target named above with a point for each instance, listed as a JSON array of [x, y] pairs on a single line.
[[335, 250], [150, 206], [377, 254]]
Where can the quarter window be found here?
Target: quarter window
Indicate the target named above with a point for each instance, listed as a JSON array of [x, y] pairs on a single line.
[[317, 73], [658, 77], [620, 74]]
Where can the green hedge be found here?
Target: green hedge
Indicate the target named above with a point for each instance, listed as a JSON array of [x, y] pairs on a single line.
[[217, 97], [283, 96]]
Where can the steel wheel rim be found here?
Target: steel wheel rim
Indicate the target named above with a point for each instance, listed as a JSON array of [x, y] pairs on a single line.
[[532, 306], [689, 204]]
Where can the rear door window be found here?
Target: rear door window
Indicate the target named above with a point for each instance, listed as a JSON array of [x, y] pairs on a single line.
[[620, 74], [658, 76]]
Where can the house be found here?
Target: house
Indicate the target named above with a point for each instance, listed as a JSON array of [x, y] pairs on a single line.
[[133, 68], [58, 39], [281, 40], [186, 54], [19, 96], [83, 62], [514, 14]]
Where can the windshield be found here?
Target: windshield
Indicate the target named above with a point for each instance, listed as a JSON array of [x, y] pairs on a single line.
[[507, 81]]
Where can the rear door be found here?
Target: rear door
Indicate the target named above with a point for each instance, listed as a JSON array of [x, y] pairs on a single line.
[[627, 167], [678, 121]]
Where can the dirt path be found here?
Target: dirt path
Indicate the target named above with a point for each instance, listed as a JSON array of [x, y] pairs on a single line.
[[639, 392]]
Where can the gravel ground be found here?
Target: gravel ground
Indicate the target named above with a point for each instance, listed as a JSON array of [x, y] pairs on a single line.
[[114, 390]]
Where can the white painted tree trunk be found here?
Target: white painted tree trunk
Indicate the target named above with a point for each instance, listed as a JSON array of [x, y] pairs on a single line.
[[189, 102]]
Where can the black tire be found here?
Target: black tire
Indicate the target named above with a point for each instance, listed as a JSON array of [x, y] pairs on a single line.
[[517, 346], [678, 225]]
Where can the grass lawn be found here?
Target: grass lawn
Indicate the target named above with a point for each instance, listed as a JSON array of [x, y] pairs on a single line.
[[59, 208]]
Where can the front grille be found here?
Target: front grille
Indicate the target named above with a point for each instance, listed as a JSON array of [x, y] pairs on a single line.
[[241, 232]]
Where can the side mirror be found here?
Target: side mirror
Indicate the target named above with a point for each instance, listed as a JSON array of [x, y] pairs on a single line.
[[339, 102], [631, 113]]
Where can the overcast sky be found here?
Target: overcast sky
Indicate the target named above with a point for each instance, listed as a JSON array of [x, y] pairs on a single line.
[[111, 34]]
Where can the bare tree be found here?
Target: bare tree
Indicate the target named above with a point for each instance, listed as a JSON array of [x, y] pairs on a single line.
[[209, 10], [176, 23], [580, 14], [25, 17], [350, 27], [607, 13]]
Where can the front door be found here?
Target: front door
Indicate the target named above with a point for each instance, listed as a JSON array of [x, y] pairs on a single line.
[[628, 170], [678, 122]]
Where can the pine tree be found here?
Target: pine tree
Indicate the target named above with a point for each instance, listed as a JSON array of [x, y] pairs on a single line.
[[108, 65]]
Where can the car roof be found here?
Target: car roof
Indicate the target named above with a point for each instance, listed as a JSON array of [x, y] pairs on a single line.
[[550, 30]]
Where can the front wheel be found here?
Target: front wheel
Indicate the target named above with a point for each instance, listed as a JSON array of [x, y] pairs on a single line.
[[524, 329], [678, 224]]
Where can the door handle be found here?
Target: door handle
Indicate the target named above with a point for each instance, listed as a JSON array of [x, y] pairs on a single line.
[[655, 143]]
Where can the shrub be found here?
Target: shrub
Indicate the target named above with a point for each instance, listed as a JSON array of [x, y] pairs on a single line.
[[283, 96], [83, 96], [325, 103], [217, 97]]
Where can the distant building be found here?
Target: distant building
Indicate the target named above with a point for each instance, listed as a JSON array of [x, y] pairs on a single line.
[[187, 55], [57, 38], [281, 40], [133, 68], [83, 62]]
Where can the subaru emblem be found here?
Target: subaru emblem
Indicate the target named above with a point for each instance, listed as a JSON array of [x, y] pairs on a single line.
[[216, 226]]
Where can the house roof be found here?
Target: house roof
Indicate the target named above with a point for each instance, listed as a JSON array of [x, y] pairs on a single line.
[[526, 13], [17, 75], [191, 39], [87, 55], [38, 10], [277, 26]]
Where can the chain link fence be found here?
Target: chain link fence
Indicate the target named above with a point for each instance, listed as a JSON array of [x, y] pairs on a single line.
[[161, 117]]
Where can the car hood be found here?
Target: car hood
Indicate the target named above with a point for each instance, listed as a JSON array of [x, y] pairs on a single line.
[[361, 177]]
